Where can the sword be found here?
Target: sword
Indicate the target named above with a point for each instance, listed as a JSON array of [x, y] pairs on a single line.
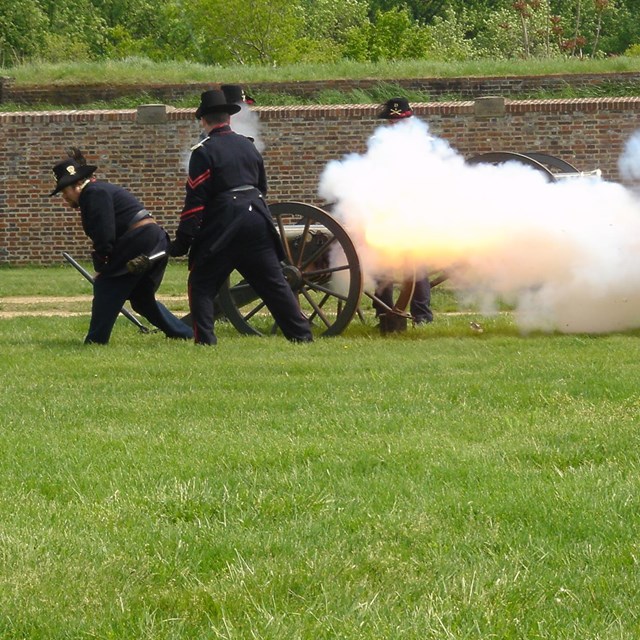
[[125, 312]]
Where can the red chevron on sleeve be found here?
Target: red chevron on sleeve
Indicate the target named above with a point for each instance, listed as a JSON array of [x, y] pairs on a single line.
[[189, 213], [193, 183]]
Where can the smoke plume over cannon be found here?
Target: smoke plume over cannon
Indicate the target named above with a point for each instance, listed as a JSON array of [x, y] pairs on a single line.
[[565, 253]]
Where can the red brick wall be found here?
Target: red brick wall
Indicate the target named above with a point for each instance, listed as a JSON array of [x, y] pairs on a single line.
[[150, 159]]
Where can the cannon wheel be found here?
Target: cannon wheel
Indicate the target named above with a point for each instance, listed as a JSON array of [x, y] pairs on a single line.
[[321, 265], [499, 157], [551, 162]]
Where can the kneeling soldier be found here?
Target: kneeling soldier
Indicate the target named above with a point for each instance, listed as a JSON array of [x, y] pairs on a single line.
[[120, 229]]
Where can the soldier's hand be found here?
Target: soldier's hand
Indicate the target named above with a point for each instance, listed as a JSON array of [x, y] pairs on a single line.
[[138, 265], [178, 247]]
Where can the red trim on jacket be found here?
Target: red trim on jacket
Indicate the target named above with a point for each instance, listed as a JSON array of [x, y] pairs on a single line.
[[189, 213], [199, 179]]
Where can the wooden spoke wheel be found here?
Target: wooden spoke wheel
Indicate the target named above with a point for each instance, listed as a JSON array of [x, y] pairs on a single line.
[[556, 165], [499, 157], [321, 266]]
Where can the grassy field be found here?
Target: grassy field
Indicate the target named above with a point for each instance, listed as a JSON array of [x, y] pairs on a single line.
[[436, 484]]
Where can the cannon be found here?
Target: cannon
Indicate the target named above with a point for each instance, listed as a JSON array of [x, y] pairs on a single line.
[[323, 268]]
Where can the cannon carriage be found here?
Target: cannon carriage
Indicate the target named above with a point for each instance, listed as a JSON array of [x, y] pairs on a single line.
[[323, 268]]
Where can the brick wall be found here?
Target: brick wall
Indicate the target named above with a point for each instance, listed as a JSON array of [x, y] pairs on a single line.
[[150, 159]]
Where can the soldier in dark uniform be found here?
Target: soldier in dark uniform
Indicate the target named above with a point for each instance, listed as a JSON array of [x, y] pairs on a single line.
[[225, 225], [235, 94], [120, 229], [393, 111]]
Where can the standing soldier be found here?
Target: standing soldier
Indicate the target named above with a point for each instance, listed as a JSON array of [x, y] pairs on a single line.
[[120, 229], [393, 111], [225, 225], [235, 94], [246, 122]]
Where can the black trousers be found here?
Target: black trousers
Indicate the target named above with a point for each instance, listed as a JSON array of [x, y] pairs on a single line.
[[110, 293], [116, 285], [252, 252]]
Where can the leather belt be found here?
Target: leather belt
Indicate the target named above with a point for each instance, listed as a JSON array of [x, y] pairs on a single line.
[[243, 187]]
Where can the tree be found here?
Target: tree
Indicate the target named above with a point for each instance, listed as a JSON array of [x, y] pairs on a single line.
[[156, 29], [248, 31], [390, 35], [21, 28], [74, 30], [447, 38], [332, 19]]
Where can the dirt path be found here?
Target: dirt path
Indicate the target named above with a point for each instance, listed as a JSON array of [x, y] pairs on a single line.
[[58, 306], [40, 300]]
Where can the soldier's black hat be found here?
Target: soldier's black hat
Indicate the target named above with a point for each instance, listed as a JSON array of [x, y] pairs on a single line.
[[68, 172], [214, 101], [395, 109], [234, 93]]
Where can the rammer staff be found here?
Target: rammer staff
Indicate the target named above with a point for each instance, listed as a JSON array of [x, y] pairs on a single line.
[[125, 312]]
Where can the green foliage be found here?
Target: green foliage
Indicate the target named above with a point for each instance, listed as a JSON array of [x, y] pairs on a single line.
[[422, 10], [75, 30], [327, 28], [396, 36], [509, 33], [447, 38], [279, 32], [258, 32], [21, 28], [332, 19], [391, 35], [613, 28], [633, 51]]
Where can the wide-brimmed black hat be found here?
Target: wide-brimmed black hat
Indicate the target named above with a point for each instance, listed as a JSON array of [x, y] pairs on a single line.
[[70, 171], [236, 94], [214, 101], [395, 109]]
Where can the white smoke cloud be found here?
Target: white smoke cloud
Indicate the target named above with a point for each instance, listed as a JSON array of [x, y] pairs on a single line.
[[567, 254], [247, 123], [629, 161]]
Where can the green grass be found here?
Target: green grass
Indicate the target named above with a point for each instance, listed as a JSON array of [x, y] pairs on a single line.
[[135, 70], [435, 484], [64, 280]]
